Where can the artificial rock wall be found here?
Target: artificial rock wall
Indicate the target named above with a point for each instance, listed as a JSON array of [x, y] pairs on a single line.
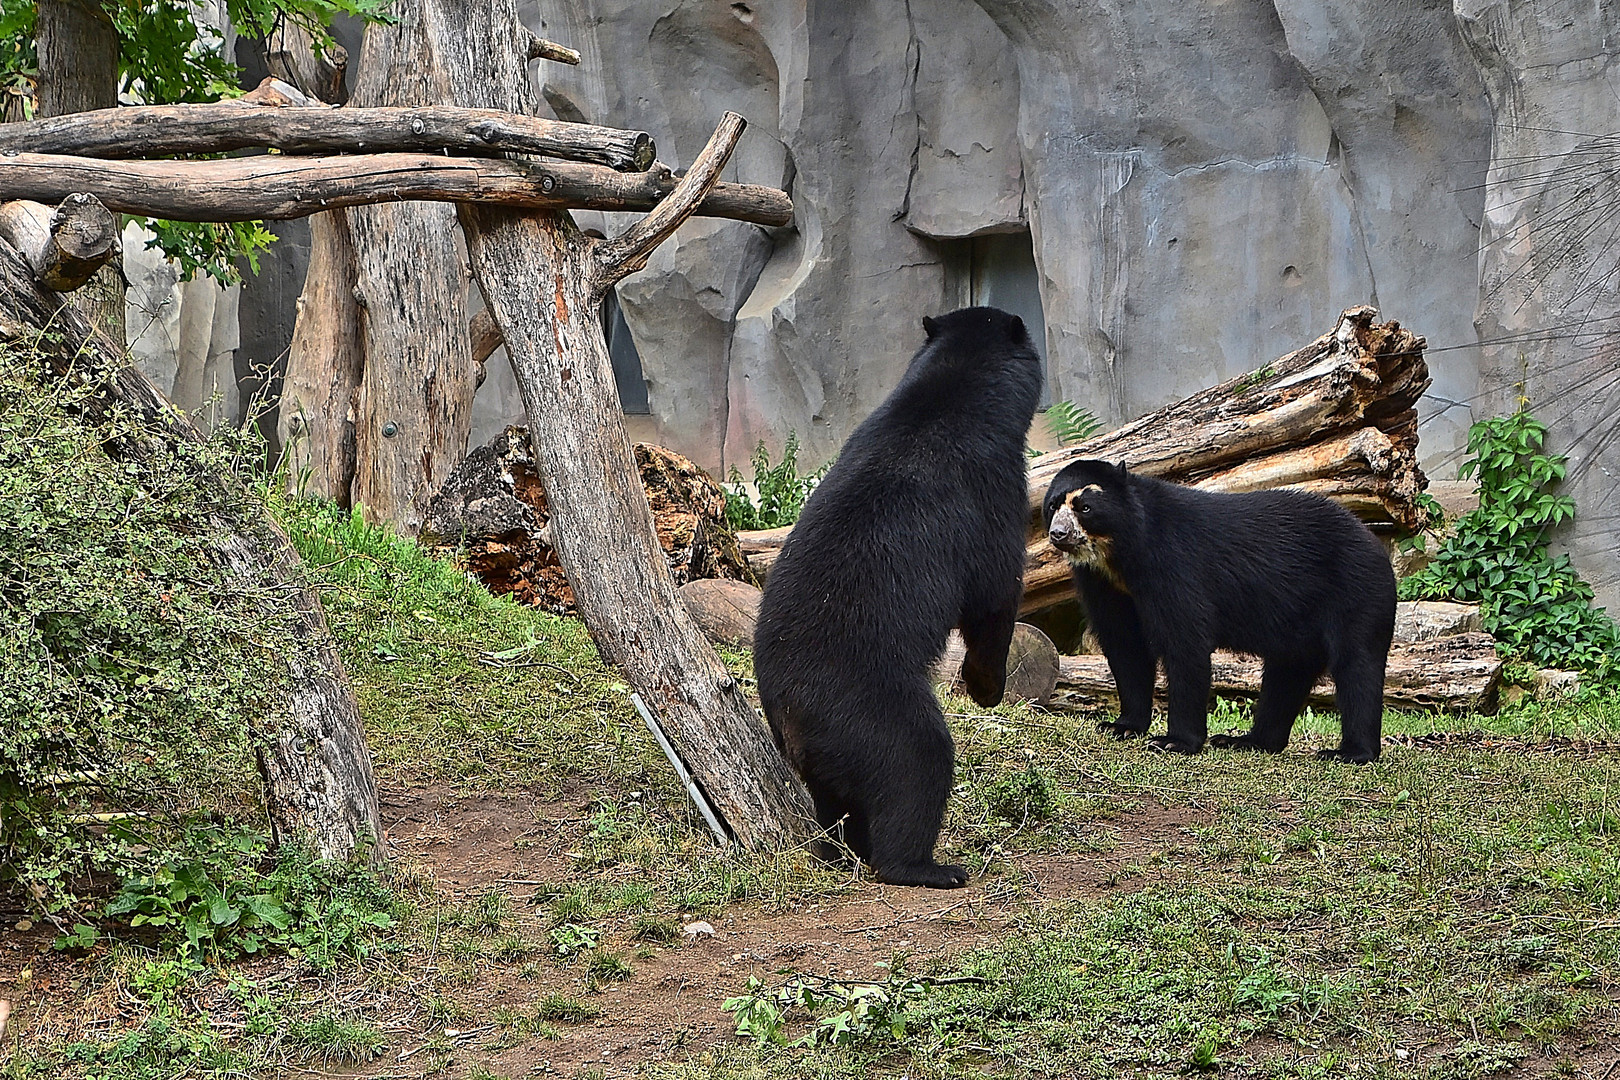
[[1204, 185]]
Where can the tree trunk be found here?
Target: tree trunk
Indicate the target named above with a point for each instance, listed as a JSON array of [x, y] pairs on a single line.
[[319, 788], [543, 283], [622, 589], [78, 72], [414, 410], [1461, 672], [316, 414]]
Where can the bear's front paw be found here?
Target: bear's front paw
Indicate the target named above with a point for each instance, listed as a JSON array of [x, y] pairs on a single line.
[[928, 875], [1121, 731], [1242, 742], [982, 685], [1349, 757], [1172, 745]]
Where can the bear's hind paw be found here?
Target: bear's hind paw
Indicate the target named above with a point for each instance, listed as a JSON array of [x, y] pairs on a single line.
[[927, 875], [1171, 745]]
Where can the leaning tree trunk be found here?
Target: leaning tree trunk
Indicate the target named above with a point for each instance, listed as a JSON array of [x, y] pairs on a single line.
[[414, 410], [543, 282], [78, 72], [318, 784]]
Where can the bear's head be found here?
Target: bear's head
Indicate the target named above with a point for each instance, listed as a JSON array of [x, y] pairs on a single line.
[[1087, 507]]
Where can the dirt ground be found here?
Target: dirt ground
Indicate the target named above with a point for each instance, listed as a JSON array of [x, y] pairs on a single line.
[[671, 1007]]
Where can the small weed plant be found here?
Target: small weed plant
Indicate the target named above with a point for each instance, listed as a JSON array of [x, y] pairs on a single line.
[[845, 1013], [1533, 602], [782, 491], [1069, 423], [225, 899]]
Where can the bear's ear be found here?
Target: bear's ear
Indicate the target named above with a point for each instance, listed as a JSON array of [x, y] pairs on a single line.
[[1016, 331], [930, 327], [1123, 471]]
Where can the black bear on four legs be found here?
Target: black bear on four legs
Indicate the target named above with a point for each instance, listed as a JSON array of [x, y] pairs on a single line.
[[918, 527], [1171, 573]]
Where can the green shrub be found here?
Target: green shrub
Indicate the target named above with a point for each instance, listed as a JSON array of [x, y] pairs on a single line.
[[782, 491], [1534, 603], [223, 898], [131, 675]]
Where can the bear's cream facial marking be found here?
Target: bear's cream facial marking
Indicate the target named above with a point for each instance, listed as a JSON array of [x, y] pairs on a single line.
[[1068, 534]]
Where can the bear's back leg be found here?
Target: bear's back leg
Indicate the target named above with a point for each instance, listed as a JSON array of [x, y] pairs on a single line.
[[1358, 693], [1284, 687], [902, 813]]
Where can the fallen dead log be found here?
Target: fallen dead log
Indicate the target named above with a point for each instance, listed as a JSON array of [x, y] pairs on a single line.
[[1458, 673], [1359, 375], [151, 131], [276, 187], [312, 754]]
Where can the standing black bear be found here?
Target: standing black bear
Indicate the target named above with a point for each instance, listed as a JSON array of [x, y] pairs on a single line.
[[919, 527], [1170, 573]]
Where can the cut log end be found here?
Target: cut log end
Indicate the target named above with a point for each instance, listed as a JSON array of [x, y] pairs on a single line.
[[63, 247]]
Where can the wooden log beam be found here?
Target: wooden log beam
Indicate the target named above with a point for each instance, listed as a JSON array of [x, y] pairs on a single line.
[[66, 246], [277, 187], [151, 131], [1358, 374], [1461, 672]]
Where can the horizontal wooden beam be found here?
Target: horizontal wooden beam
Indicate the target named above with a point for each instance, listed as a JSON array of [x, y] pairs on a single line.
[[145, 131], [276, 187]]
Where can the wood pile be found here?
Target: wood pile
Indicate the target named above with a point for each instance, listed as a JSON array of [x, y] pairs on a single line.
[[493, 511]]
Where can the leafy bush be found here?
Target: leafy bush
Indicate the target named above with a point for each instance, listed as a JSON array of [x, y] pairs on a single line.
[[1533, 602], [782, 491], [130, 674], [1021, 796]]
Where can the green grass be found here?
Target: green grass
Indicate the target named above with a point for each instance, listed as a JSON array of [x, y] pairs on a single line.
[[1450, 912]]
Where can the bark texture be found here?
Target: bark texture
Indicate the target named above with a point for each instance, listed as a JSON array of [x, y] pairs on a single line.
[[146, 131], [414, 409], [319, 788], [78, 71], [278, 187]]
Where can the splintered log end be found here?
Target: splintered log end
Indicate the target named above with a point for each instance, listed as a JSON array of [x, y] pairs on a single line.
[[63, 247], [541, 49]]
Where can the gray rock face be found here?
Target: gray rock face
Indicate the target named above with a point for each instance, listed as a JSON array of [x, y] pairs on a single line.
[[1203, 185]]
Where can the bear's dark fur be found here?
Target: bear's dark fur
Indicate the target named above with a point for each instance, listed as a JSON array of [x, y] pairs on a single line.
[[918, 527], [1170, 573]]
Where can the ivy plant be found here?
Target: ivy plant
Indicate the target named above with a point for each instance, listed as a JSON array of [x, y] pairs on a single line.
[[1532, 601]]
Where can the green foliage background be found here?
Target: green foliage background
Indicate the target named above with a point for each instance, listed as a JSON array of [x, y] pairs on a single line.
[[1530, 600], [165, 58]]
